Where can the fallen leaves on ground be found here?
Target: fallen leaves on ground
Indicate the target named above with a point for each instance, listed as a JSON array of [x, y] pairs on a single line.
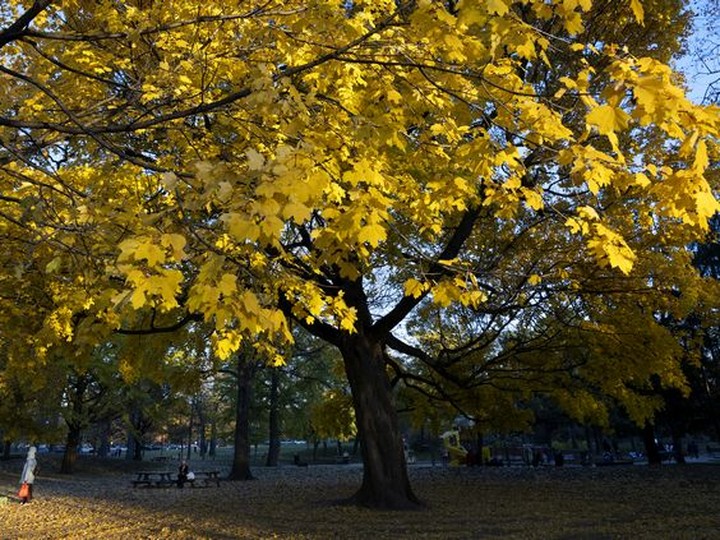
[[296, 503]]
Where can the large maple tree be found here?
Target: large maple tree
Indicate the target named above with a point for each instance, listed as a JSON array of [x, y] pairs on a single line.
[[337, 163]]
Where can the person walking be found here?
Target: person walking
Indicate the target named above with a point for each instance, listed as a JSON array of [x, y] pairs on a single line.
[[28, 476]]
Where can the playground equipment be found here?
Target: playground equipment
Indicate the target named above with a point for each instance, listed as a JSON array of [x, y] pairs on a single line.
[[457, 455]]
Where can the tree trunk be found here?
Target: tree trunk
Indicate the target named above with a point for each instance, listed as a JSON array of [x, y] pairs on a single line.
[[316, 444], [103, 449], [7, 446], [71, 445], [190, 432], [134, 441], [201, 427], [213, 439], [274, 420], [651, 448], [241, 457], [678, 453], [385, 480]]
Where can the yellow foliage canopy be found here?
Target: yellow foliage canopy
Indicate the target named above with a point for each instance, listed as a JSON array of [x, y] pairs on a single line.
[[239, 159]]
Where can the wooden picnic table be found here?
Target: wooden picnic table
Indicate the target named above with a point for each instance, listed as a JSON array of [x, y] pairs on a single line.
[[157, 478], [168, 478], [206, 477]]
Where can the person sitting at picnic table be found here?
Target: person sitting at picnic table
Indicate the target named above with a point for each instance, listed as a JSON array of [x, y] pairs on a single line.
[[183, 472]]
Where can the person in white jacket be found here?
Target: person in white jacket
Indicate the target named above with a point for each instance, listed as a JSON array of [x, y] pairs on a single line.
[[28, 473]]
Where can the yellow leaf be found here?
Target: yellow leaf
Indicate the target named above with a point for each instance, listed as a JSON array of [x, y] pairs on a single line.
[[250, 303], [228, 284], [610, 248], [445, 293], [373, 234], [576, 226], [240, 227], [255, 159], [150, 252], [176, 242], [296, 211], [588, 212], [415, 288], [701, 157], [608, 119], [641, 179], [534, 279], [707, 205], [138, 298], [497, 7], [638, 11], [574, 24], [533, 199], [473, 298], [470, 15], [53, 266]]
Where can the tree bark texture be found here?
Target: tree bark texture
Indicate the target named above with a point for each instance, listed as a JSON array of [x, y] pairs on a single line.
[[651, 448], [385, 482], [274, 420], [241, 457], [72, 442]]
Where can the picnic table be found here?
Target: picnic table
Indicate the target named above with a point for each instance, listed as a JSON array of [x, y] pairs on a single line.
[[157, 478], [206, 477], [168, 478]]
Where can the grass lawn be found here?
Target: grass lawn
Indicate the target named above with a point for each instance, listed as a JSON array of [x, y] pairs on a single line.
[[635, 502]]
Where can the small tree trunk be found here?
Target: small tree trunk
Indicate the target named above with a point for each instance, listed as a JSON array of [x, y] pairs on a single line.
[[479, 458], [104, 447], [7, 445], [241, 458], [678, 453], [190, 433], [273, 455], [651, 448], [213, 439]]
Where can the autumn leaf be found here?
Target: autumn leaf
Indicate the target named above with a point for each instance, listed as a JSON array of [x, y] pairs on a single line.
[[638, 11], [608, 119]]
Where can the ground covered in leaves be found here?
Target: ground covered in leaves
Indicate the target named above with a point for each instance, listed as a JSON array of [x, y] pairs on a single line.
[[290, 502]]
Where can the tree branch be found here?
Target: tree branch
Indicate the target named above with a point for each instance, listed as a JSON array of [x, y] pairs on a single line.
[[452, 249], [19, 28]]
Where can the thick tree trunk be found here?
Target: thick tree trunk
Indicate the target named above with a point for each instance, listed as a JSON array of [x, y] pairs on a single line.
[[385, 480], [71, 446], [274, 420], [241, 457]]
